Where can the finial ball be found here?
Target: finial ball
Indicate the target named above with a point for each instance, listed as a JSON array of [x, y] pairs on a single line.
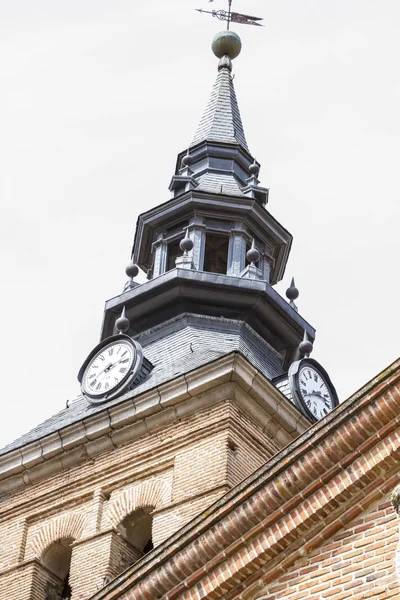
[[226, 43], [306, 347], [132, 270]]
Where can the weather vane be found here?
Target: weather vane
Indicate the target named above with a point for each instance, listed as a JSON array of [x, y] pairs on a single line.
[[232, 17]]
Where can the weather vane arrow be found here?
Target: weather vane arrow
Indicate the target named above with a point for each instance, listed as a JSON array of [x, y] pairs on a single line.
[[232, 17]]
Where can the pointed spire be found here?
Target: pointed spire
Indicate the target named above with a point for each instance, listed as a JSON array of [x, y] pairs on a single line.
[[221, 121]]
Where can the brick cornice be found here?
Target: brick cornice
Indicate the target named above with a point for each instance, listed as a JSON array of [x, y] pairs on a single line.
[[312, 483], [124, 422]]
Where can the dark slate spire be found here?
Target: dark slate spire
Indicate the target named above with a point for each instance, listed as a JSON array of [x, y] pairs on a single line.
[[221, 121]]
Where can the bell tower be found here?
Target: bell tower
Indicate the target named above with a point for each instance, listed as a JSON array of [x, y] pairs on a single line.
[[196, 382], [214, 250]]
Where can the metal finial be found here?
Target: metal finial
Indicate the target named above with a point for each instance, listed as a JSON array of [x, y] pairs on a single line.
[[122, 323], [254, 168], [132, 270], [253, 255], [187, 160], [186, 244], [305, 347], [226, 43], [232, 17], [292, 293]]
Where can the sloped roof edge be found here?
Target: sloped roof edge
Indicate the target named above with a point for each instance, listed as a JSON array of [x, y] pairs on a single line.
[[361, 432]]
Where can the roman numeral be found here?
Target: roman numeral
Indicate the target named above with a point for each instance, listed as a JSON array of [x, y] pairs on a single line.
[[111, 351], [98, 386], [123, 370], [101, 357], [106, 385]]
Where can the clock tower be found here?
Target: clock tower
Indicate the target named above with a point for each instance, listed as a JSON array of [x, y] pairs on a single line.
[[200, 376]]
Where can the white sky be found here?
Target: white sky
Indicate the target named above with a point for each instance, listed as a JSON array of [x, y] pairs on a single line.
[[98, 97]]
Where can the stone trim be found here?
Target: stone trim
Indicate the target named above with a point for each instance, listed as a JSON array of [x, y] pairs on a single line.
[[122, 423]]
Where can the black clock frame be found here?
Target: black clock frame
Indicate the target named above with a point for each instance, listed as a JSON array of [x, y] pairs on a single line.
[[294, 384], [127, 380]]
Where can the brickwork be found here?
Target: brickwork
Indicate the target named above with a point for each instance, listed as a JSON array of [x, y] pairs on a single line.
[[177, 470], [313, 522], [357, 563], [31, 581]]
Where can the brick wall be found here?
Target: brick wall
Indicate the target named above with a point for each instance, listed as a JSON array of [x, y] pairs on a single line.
[[178, 470], [357, 563]]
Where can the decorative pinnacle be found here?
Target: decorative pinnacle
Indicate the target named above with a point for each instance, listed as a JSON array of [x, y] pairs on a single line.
[[292, 293], [226, 43], [186, 244], [254, 169], [305, 347], [132, 270], [122, 323], [253, 255], [187, 160]]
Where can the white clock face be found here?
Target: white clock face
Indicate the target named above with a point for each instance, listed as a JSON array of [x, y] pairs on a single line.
[[108, 368], [315, 392]]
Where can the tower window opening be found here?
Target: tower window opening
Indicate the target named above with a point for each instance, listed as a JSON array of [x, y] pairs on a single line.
[[173, 252], [57, 558], [216, 254], [137, 529]]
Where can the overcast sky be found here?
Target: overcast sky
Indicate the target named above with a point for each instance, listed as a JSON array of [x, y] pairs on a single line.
[[98, 97]]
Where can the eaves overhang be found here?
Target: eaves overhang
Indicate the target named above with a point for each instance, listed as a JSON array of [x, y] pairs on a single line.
[[180, 291], [231, 156], [136, 414]]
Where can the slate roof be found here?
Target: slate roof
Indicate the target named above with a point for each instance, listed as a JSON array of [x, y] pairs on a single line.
[[217, 183], [174, 348], [221, 121]]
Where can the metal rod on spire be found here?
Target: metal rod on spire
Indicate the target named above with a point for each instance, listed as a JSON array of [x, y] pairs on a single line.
[[229, 13], [232, 17]]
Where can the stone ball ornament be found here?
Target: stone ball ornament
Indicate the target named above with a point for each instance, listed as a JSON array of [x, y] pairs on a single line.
[[122, 324], [254, 169], [132, 270], [306, 346], [226, 43], [292, 293], [186, 245], [253, 255], [187, 160]]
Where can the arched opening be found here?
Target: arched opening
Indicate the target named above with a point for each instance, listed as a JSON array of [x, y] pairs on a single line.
[[57, 558], [137, 529]]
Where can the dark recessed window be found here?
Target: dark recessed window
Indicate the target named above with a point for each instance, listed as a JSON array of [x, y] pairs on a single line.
[[216, 254], [173, 252]]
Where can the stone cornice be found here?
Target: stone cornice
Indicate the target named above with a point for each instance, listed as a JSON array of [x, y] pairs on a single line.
[[293, 504], [131, 419]]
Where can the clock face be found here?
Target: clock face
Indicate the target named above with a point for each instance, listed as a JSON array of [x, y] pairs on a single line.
[[315, 391], [108, 368]]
